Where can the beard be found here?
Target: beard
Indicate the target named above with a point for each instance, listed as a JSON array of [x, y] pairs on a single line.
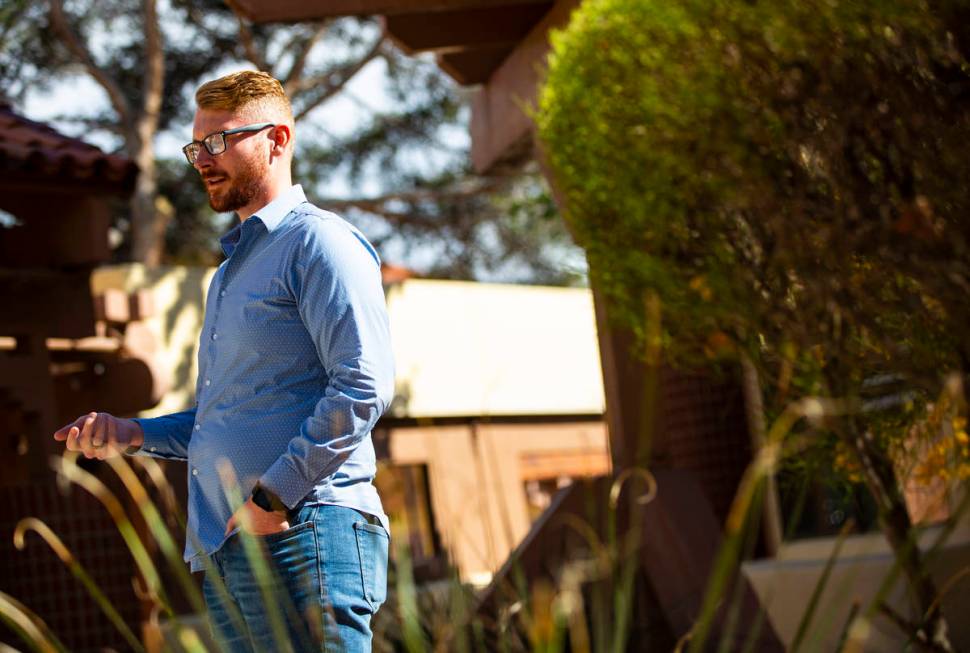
[[238, 191]]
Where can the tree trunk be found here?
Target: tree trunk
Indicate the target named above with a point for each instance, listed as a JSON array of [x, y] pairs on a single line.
[[148, 224], [755, 413], [880, 478]]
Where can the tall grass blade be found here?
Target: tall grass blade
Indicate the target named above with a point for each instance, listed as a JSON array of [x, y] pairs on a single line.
[[754, 477], [823, 580], [67, 467], [159, 530], [255, 555], [158, 479], [850, 619], [190, 641], [411, 630], [78, 571], [29, 626], [750, 536]]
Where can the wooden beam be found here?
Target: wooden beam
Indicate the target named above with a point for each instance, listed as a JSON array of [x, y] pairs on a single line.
[[500, 125], [470, 29], [473, 66], [46, 304], [73, 235], [291, 11]]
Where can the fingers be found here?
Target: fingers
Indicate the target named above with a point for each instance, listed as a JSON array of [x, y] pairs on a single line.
[[95, 435], [85, 441], [110, 447], [74, 433], [62, 433], [231, 524], [99, 434]]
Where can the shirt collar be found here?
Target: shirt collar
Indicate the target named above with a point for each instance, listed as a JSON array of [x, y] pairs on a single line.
[[271, 216], [273, 213]]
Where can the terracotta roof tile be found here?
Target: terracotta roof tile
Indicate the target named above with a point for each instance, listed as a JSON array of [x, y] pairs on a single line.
[[395, 273], [35, 151]]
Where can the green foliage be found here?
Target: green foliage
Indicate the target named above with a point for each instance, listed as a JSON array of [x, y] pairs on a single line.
[[790, 175], [788, 180]]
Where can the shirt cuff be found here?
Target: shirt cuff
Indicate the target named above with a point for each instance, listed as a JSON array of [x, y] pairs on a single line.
[[285, 483], [156, 442]]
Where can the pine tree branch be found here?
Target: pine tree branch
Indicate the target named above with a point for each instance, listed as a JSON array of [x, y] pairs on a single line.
[[198, 19], [333, 81], [293, 77], [412, 218], [74, 45], [249, 43], [106, 123], [463, 189]]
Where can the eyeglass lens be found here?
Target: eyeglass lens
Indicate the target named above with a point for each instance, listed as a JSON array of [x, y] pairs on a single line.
[[214, 143]]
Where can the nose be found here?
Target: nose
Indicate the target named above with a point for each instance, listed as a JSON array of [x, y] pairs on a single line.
[[203, 160]]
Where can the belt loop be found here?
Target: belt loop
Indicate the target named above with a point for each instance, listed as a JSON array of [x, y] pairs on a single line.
[[293, 514]]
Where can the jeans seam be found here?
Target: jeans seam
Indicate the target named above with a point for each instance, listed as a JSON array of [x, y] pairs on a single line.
[[321, 581], [361, 548]]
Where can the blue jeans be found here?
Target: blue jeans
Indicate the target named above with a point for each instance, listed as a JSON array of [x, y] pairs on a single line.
[[328, 576]]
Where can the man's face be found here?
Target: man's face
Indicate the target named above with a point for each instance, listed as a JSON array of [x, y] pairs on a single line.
[[234, 178]]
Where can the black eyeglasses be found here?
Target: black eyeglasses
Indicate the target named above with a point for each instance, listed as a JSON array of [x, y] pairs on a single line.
[[216, 143]]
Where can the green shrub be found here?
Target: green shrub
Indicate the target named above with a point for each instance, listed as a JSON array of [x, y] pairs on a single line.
[[789, 179], [782, 173]]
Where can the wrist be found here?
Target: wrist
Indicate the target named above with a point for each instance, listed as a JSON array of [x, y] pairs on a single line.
[[267, 500], [136, 437]]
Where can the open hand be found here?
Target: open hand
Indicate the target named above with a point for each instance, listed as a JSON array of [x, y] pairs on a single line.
[[100, 435]]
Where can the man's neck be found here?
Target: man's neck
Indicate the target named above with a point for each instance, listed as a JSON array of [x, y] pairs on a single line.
[[271, 192]]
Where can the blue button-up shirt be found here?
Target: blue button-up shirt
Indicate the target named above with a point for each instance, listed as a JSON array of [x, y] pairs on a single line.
[[295, 367]]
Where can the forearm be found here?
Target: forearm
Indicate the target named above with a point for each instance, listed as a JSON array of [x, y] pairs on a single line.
[[339, 425]]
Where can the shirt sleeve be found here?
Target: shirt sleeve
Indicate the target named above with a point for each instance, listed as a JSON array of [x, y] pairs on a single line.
[[340, 298], [167, 436]]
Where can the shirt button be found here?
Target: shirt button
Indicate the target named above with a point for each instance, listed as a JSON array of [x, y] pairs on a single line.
[[152, 449], [195, 472], [222, 293], [215, 335], [198, 427], [208, 381]]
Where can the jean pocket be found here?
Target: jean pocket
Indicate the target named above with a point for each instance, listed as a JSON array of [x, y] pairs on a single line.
[[372, 541], [292, 531]]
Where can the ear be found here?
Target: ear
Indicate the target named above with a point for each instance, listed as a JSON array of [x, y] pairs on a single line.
[[282, 135]]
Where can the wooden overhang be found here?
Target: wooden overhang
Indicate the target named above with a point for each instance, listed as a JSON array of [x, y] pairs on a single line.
[[33, 154], [477, 42]]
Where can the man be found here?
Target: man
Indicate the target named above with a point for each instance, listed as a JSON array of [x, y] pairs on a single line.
[[295, 367]]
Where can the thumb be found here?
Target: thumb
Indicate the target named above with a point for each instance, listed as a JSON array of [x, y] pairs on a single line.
[[231, 524], [62, 433]]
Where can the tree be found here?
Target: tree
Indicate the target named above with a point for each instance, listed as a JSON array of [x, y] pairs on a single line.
[[788, 179], [148, 63]]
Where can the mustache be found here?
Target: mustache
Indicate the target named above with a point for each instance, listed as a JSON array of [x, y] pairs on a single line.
[[213, 173]]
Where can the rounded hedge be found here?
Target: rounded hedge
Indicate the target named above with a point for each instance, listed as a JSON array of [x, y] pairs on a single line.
[[789, 177]]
